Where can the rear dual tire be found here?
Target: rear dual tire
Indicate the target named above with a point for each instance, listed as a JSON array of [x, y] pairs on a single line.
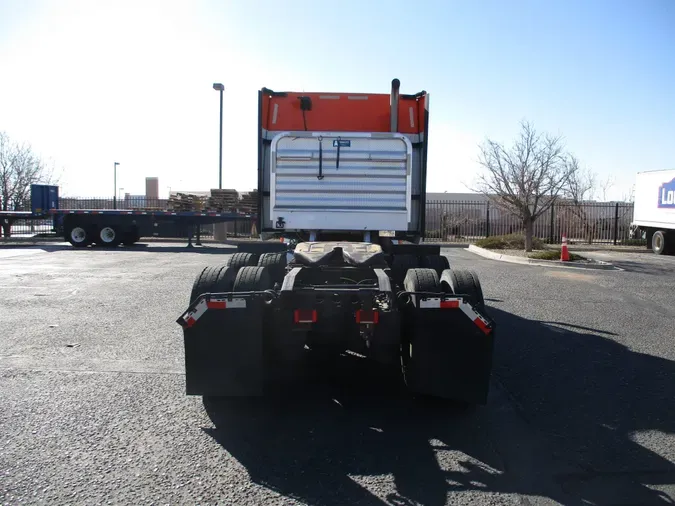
[[276, 265], [451, 281], [213, 279], [245, 380], [239, 260]]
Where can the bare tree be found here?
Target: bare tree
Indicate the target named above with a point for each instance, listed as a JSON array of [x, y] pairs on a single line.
[[605, 185], [20, 167], [581, 188], [526, 178]]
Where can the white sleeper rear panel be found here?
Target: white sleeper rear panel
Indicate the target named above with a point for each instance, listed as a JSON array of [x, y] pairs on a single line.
[[369, 190]]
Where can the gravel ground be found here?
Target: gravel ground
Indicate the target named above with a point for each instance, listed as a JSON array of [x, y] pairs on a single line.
[[92, 404]]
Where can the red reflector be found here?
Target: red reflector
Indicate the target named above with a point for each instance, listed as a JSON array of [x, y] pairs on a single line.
[[481, 325], [212, 304], [304, 316], [367, 316], [449, 304]]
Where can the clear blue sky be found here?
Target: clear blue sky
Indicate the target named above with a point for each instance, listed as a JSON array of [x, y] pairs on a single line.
[[89, 83]]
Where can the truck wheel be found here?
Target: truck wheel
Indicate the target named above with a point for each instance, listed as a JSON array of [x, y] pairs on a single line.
[[464, 282], [252, 279], [109, 237], [436, 262], [276, 265], [78, 236], [421, 280], [661, 243], [239, 260], [400, 266], [213, 279]]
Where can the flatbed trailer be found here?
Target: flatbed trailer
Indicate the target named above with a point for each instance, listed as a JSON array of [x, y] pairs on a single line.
[[111, 227], [345, 175]]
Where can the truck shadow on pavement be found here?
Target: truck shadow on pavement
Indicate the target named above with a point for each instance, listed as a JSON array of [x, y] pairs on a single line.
[[650, 267], [572, 417]]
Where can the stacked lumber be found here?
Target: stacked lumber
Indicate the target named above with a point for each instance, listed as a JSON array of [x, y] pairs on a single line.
[[223, 200], [186, 202], [248, 203]]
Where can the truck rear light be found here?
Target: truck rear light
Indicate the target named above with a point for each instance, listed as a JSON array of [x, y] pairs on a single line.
[[304, 315], [449, 304], [367, 316]]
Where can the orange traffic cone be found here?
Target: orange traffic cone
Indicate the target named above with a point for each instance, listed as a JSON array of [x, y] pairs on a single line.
[[564, 254]]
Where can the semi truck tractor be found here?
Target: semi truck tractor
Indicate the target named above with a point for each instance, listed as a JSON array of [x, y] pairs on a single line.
[[342, 175], [654, 211]]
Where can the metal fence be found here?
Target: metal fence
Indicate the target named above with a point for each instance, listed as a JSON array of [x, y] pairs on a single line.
[[606, 222], [445, 221]]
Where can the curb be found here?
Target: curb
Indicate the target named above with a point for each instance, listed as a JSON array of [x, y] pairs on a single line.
[[541, 263]]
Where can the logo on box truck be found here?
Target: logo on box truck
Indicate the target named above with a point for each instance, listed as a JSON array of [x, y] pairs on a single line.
[[667, 195]]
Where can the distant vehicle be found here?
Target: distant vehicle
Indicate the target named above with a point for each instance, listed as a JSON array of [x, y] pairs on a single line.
[[109, 228], [345, 175], [654, 214]]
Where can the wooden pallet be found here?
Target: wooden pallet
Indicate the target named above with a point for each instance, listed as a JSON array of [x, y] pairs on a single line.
[[186, 202], [248, 203], [223, 200]]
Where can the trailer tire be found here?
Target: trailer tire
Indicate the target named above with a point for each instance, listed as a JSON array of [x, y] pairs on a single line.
[[464, 282], [108, 236], [252, 279], [78, 236], [661, 243], [239, 260], [213, 279], [276, 265], [439, 263]]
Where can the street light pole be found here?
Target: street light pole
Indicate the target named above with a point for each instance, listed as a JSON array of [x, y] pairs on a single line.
[[219, 87], [115, 189]]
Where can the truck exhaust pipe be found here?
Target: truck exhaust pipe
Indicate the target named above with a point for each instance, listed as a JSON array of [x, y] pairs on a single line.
[[395, 85]]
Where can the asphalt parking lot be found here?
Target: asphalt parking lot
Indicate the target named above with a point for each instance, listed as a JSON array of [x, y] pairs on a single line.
[[93, 411]]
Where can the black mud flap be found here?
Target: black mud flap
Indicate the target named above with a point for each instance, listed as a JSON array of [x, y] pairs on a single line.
[[223, 339], [450, 350]]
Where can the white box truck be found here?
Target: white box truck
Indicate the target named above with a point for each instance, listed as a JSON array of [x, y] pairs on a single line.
[[654, 214]]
